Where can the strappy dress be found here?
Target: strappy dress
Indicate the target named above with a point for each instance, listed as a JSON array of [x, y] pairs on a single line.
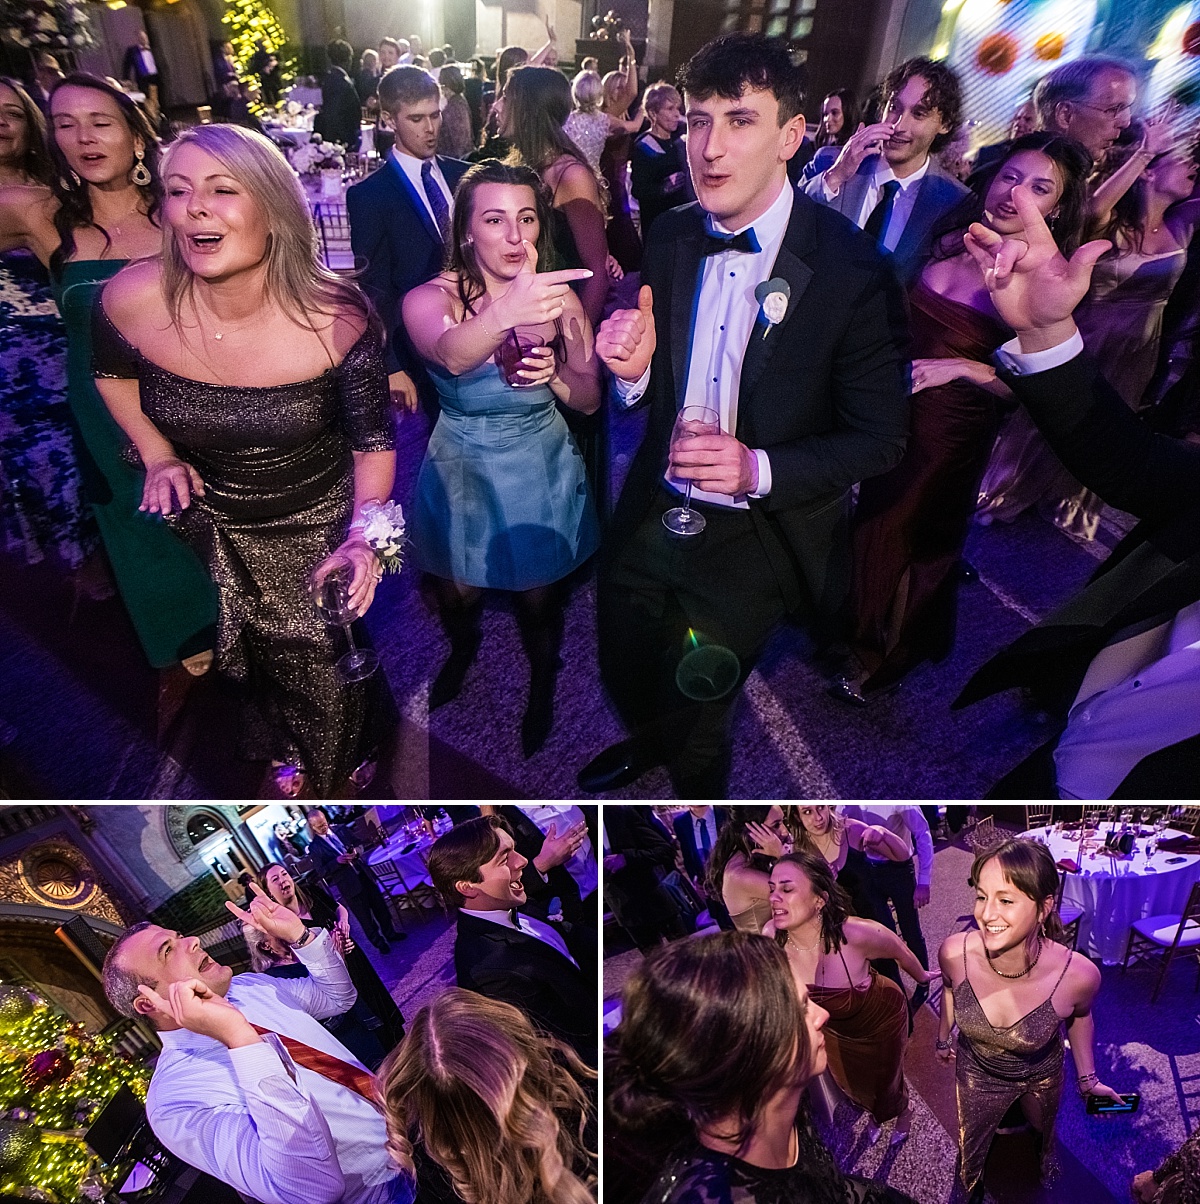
[[865, 1037], [997, 1066]]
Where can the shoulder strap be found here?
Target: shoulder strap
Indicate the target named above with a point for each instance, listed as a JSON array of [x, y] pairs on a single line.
[[1066, 967]]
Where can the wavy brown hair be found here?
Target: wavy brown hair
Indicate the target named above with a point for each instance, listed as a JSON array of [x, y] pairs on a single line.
[[35, 161], [73, 194], [499, 1106], [735, 838], [296, 279], [1031, 869], [825, 886]]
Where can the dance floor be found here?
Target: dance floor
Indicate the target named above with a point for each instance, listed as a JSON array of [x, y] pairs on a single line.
[[78, 704], [1154, 1050]]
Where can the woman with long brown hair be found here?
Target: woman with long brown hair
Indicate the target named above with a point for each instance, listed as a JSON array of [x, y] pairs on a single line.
[[502, 500], [101, 210], [1010, 987], [42, 508], [738, 869], [484, 1109], [250, 380]]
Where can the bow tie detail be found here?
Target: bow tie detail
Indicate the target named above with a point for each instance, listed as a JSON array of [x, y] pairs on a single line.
[[715, 243]]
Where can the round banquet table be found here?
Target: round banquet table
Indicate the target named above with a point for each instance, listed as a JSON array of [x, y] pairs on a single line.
[[411, 864], [1114, 892]]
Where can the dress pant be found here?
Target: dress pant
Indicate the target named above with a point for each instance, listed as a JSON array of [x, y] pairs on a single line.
[[371, 911], [661, 595], [895, 882]]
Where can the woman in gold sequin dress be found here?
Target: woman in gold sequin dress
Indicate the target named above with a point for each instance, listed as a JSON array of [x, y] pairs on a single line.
[[1010, 988], [251, 382]]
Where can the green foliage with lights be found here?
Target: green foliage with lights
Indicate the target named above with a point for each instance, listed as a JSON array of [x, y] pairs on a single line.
[[249, 23], [55, 1078]]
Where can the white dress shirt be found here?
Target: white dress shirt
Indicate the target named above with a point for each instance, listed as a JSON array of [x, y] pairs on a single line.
[[1139, 695], [530, 927], [582, 864], [905, 820], [902, 206], [725, 317], [411, 166], [276, 1132], [149, 66]]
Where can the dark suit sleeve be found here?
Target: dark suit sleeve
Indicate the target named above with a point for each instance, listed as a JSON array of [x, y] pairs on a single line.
[[869, 386], [641, 842], [323, 856], [372, 253], [1105, 444]]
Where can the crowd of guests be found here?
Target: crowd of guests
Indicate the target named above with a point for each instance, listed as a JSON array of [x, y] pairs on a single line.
[[230, 383], [789, 975], [299, 1080]]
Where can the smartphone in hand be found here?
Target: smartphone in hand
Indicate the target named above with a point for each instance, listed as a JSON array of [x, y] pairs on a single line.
[[1099, 1105]]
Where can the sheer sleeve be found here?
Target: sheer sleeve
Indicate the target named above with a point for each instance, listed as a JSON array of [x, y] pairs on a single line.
[[365, 399], [112, 354]]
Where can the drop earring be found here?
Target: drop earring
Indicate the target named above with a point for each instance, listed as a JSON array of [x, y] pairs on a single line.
[[140, 175], [71, 180]]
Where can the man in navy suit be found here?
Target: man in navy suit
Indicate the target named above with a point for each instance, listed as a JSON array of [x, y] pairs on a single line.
[[547, 970], [400, 220], [886, 180]]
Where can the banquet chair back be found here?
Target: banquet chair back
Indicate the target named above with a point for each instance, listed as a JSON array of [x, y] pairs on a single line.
[[333, 227], [1188, 819], [1069, 913], [984, 835], [403, 892], [1168, 935], [1038, 816]]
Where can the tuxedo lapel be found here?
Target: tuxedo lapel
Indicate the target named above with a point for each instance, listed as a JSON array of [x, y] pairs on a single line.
[[685, 299], [410, 194]]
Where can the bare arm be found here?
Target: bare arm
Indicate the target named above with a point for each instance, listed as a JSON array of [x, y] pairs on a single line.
[[25, 222], [872, 838], [578, 196], [540, 56], [457, 346], [577, 383], [1157, 139], [629, 91], [1081, 1029], [946, 958], [873, 941], [626, 125]]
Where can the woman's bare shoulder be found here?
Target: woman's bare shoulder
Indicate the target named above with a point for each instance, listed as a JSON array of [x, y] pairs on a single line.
[[134, 293]]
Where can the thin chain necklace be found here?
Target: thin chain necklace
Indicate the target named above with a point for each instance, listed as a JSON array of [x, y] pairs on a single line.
[[803, 948], [1023, 972]]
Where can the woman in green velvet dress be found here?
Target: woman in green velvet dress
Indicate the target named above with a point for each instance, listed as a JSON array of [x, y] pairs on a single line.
[[100, 211]]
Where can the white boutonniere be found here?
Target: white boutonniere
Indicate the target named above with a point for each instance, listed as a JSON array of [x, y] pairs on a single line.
[[382, 526], [773, 296]]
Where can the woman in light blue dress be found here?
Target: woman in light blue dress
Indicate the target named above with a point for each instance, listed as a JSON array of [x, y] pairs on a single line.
[[502, 500]]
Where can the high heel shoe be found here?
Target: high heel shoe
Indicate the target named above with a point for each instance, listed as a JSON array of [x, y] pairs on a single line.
[[902, 1129], [461, 624]]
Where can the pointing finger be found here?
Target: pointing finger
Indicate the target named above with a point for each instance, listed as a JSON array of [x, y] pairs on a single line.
[[566, 276]]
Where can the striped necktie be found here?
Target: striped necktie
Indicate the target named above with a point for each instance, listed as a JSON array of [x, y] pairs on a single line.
[[437, 200], [359, 1081]]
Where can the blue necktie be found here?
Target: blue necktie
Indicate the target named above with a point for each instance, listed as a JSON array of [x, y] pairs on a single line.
[[437, 200], [876, 223], [705, 842]]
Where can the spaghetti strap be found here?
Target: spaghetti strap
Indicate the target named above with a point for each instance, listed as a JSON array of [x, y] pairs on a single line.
[[1066, 967], [845, 967]]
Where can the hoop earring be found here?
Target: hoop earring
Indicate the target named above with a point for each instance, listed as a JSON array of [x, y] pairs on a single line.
[[140, 175]]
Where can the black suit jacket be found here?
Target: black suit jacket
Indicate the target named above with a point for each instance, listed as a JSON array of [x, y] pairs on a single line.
[[825, 393], [512, 966], [131, 68], [633, 892], [1151, 575], [685, 831], [341, 111], [398, 247], [342, 875]]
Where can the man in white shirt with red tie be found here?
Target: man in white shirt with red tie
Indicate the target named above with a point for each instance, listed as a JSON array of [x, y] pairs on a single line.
[[250, 1087]]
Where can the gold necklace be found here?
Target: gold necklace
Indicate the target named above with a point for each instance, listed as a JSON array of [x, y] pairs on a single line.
[[1028, 967], [802, 948], [116, 229]]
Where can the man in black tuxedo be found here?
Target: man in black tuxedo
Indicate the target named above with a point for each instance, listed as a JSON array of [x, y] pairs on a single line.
[[341, 112], [547, 970], [637, 850], [1121, 660], [141, 69], [813, 396], [336, 863], [400, 221]]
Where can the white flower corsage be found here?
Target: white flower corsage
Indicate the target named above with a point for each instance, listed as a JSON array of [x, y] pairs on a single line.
[[773, 296], [382, 526]]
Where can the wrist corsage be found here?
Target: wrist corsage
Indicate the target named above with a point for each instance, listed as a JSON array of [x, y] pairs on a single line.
[[382, 527]]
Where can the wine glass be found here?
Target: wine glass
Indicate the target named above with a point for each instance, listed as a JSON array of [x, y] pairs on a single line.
[[690, 422], [331, 596]]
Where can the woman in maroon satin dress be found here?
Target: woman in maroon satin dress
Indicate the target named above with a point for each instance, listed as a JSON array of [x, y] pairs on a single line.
[[912, 522]]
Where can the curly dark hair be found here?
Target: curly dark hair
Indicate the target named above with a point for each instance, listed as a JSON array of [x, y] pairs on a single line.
[[72, 193], [730, 64], [35, 162], [825, 886], [944, 92]]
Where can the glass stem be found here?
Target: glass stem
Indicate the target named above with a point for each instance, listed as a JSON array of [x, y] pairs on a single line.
[[687, 498], [350, 637]]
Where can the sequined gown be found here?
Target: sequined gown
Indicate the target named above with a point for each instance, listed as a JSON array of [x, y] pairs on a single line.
[[865, 1037], [279, 491], [997, 1066]]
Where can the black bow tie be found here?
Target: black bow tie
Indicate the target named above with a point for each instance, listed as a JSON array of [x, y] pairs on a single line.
[[715, 243], [512, 915]]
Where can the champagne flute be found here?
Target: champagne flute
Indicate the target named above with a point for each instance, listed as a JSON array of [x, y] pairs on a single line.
[[331, 596], [690, 422]]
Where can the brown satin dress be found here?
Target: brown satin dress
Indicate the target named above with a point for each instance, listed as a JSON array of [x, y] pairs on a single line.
[[997, 1066], [911, 523], [865, 1037]]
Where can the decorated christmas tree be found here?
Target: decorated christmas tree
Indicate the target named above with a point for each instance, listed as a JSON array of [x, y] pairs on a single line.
[[251, 26], [55, 1078]]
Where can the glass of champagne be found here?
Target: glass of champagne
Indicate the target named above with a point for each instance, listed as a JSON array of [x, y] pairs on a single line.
[[331, 596], [690, 422]]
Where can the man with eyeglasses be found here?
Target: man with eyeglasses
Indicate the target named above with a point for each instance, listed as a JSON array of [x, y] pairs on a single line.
[[1089, 99]]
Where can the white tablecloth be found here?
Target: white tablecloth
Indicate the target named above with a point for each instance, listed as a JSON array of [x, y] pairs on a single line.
[[1114, 893], [411, 864]]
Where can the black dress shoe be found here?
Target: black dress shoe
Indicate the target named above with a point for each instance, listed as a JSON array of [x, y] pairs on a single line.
[[449, 682], [383, 947], [618, 765], [397, 936]]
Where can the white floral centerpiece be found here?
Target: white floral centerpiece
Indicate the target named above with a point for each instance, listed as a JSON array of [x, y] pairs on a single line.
[[315, 156], [47, 24]]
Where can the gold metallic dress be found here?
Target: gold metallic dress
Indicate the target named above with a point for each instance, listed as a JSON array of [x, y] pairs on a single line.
[[997, 1066], [278, 475]]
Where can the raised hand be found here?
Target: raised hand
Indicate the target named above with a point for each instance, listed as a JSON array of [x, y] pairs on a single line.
[[766, 840], [1158, 130], [557, 848], [533, 298], [169, 482], [195, 1006], [866, 140], [268, 916], [1034, 288], [625, 341]]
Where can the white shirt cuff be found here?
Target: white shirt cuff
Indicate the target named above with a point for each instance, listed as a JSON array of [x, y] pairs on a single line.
[[764, 473], [630, 391], [1021, 363], [827, 192]]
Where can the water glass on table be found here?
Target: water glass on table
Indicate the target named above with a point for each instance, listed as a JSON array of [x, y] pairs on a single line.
[[690, 422], [331, 596]]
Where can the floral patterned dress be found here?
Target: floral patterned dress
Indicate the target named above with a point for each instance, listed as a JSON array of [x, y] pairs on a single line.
[[42, 510]]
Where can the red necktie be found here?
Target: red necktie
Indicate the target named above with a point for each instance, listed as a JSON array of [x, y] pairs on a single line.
[[359, 1081]]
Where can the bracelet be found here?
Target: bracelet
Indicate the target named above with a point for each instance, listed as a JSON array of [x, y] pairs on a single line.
[[494, 337], [1093, 1076], [942, 1045]]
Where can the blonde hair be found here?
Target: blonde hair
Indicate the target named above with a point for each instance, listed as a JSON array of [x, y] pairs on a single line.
[[661, 94], [587, 91], [296, 279], [264, 954], [802, 839], [499, 1106]]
